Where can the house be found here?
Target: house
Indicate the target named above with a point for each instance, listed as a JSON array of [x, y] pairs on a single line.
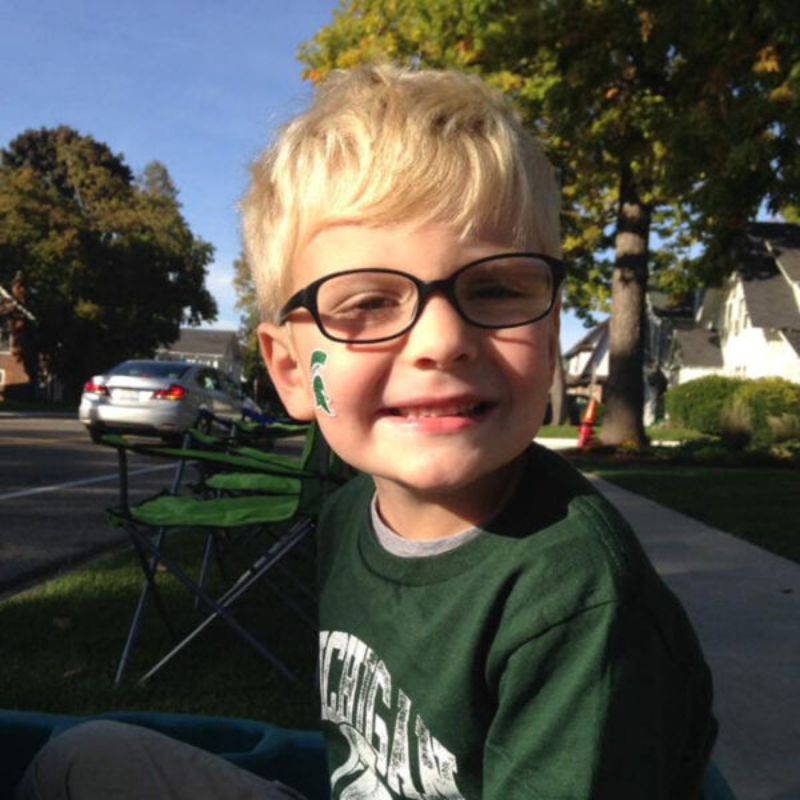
[[218, 349], [586, 364], [750, 326], [14, 316]]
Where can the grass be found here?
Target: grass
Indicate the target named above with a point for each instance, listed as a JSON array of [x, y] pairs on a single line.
[[661, 432], [558, 432], [62, 642], [759, 505]]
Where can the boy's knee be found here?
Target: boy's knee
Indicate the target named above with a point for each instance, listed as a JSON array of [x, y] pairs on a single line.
[[80, 755], [101, 740]]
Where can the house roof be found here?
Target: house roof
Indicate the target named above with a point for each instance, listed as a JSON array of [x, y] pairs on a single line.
[[698, 347], [769, 296], [589, 342], [197, 341], [783, 242]]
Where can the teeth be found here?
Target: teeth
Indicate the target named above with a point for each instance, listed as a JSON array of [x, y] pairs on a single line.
[[438, 411]]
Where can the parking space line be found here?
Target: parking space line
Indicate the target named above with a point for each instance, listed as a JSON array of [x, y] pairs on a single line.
[[83, 482]]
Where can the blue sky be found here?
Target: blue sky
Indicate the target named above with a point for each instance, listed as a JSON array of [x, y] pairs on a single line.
[[200, 86]]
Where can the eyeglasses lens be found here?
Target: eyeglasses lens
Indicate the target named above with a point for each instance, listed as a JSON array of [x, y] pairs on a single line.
[[366, 304], [370, 304], [505, 292]]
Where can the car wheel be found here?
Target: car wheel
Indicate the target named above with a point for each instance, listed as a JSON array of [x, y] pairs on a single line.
[[96, 435]]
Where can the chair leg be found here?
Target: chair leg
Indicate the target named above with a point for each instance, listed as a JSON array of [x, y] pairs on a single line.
[[219, 608], [208, 551], [149, 568]]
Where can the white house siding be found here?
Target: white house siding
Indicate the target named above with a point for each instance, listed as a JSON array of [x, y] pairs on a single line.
[[733, 311], [594, 360], [578, 362], [758, 353], [686, 374], [601, 365], [743, 352], [785, 358]]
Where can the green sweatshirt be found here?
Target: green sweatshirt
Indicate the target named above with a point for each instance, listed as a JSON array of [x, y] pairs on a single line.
[[544, 659]]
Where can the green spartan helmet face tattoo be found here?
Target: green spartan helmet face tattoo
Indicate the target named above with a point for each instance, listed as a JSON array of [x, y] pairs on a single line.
[[321, 398]]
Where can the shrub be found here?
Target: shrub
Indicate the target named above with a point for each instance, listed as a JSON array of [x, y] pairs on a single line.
[[786, 452], [698, 404], [767, 398], [736, 424], [785, 428]]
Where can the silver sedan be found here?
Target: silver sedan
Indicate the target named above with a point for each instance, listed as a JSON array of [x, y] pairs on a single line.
[[157, 397]]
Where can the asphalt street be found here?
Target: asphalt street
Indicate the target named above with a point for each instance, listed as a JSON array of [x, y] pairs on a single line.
[[55, 485]]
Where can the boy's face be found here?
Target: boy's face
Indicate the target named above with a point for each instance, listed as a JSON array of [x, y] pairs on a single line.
[[438, 412]]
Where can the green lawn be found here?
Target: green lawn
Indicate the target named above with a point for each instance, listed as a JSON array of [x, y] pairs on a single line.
[[759, 505], [62, 642], [657, 433]]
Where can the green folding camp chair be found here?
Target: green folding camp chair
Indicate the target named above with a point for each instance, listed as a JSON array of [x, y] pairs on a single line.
[[246, 432], [289, 490]]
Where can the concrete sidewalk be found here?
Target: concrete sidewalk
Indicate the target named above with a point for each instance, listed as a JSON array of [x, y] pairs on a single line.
[[745, 605]]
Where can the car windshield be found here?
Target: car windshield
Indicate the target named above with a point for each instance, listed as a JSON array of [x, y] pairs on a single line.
[[150, 369]]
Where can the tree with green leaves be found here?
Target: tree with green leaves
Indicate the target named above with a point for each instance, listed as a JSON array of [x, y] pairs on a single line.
[[109, 266], [255, 373], [675, 119]]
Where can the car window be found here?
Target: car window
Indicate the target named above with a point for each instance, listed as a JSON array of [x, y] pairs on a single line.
[[207, 378], [229, 385], [150, 369]]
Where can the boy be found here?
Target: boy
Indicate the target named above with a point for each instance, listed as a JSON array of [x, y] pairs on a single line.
[[490, 627]]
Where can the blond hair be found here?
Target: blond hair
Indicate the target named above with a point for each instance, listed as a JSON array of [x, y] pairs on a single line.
[[383, 145]]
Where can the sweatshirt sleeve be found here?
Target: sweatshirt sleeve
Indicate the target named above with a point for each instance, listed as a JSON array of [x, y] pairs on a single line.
[[596, 707]]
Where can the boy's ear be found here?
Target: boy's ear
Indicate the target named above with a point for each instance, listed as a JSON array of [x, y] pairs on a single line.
[[280, 357]]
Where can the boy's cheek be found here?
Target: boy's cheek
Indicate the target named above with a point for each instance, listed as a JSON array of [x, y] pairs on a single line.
[[320, 365]]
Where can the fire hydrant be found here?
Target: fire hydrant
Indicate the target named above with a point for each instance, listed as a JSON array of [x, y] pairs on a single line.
[[586, 430]]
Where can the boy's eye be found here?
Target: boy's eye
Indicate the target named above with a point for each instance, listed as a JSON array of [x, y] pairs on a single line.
[[496, 291], [365, 294], [366, 303]]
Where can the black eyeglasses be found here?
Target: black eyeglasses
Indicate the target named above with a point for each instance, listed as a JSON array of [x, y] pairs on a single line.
[[374, 305]]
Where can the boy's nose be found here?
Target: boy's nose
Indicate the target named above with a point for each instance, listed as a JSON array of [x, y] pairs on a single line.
[[440, 336]]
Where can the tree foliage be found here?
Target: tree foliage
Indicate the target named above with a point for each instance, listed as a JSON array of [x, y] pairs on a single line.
[[109, 265], [673, 118], [255, 373]]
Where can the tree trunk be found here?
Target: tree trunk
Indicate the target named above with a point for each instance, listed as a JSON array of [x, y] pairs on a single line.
[[624, 392], [558, 393]]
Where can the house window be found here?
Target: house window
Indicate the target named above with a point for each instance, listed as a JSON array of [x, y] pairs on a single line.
[[5, 336]]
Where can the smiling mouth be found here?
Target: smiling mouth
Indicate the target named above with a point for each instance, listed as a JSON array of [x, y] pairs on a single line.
[[471, 410]]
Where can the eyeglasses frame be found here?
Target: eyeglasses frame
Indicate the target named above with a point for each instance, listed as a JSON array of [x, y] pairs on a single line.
[[307, 296]]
